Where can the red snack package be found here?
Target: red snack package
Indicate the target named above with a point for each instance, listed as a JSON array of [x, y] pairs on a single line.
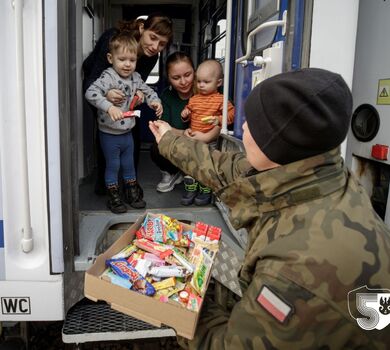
[[161, 250]]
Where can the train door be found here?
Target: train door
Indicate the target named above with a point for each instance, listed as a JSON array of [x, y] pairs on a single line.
[[262, 49], [276, 36], [368, 140]]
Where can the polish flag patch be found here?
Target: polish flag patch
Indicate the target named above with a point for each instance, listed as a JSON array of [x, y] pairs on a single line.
[[274, 304]]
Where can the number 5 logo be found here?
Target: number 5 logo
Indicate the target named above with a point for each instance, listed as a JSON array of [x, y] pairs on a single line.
[[370, 307]]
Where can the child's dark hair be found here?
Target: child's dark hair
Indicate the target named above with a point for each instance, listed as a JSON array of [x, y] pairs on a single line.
[[178, 56]]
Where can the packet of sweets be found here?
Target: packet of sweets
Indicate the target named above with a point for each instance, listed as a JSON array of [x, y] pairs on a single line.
[[111, 277], [167, 292], [152, 229], [125, 252], [166, 283], [168, 271], [154, 259], [194, 302], [123, 269], [161, 250], [182, 259], [201, 273]]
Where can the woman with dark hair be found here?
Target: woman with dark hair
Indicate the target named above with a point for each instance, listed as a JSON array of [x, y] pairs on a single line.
[[181, 75], [153, 35]]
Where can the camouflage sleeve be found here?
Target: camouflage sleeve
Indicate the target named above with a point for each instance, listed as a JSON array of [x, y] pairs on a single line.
[[311, 323], [212, 168]]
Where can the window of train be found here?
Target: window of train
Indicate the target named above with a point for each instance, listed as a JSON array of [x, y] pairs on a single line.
[[212, 34], [255, 13]]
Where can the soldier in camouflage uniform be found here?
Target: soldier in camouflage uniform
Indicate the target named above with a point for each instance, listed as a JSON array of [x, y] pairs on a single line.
[[313, 234]]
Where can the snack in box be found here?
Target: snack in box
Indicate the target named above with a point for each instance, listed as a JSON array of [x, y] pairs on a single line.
[[168, 260], [123, 269]]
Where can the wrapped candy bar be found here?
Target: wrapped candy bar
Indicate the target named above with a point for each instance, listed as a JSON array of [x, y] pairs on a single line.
[[202, 272], [115, 279], [182, 260], [166, 283], [142, 266], [125, 252], [155, 260], [168, 271], [155, 248], [123, 269]]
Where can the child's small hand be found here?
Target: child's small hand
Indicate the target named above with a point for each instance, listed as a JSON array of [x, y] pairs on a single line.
[[157, 107], [185, 114], [141, 97], [116, 97], [115, 113]]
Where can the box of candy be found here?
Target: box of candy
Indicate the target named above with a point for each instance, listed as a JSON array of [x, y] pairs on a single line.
[[157, 271]]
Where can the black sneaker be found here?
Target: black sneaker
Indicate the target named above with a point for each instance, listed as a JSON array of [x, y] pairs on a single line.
[[204, 196], [191, 189], [115, 203], [134, 194]]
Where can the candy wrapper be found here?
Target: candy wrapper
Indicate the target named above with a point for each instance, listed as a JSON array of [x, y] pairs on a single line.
[[115, 279], [160, 250], [123, 269], [202, 272], [125, 252], [164, 229]]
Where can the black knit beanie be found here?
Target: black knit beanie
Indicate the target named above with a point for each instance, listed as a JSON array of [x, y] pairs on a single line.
[[299, 114]]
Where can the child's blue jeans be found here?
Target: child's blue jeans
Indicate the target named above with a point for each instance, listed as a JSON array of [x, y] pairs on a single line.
[[118, 151]]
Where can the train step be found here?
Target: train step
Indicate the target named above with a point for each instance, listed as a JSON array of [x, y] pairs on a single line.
[[94, 322]]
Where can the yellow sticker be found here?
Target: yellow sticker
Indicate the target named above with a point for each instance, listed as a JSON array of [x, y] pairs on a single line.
[[383, 92]]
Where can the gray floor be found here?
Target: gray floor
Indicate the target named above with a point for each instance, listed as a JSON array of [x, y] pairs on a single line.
[[148, 177]]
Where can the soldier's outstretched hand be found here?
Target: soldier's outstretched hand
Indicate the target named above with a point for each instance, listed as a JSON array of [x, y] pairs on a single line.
[[159, 128]]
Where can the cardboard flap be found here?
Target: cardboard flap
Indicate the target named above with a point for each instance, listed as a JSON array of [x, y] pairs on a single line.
[[138, 315], [91, 297]]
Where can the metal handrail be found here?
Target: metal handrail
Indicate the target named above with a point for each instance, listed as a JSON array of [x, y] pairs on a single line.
[[282, 22]]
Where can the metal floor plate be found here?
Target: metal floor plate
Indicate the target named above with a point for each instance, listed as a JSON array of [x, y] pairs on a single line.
[[93, 322]]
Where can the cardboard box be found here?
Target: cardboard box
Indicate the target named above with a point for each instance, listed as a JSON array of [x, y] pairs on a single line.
[[135, 304]]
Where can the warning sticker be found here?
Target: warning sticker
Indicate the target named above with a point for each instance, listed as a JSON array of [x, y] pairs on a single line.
[[383, 92]]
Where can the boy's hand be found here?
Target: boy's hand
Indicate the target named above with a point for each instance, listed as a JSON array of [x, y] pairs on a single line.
[[159, 128], [141, 97], [115, 113], [185, 114], [157, 107], [115, 96]]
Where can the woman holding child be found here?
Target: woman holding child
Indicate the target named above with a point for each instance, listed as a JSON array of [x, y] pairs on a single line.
[[152, 35], [181, 76]]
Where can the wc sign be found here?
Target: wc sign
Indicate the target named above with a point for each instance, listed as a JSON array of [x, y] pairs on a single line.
[[370, 307], [15, 306]]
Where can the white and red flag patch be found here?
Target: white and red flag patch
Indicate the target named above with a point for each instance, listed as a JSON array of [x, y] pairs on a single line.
[[274, 304]]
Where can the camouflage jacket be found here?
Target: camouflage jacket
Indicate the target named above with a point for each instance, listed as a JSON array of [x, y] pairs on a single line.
[[313, 237]]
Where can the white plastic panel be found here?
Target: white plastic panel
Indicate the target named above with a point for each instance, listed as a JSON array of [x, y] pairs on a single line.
[[53, 136], [31, 301], [372, 65], [35, 265], [333, 38], [2, 259]]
